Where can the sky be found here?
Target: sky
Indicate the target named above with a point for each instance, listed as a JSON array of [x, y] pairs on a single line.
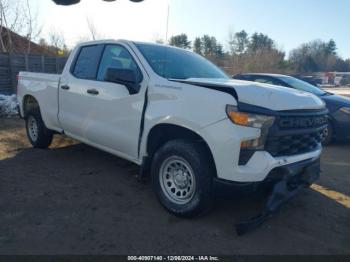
[[289, 22]]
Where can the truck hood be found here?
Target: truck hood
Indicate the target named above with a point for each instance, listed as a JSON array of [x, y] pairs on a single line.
[[276, 98]]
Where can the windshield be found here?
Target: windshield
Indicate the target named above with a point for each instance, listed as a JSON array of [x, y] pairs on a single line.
[[174, 63], [302, 85]]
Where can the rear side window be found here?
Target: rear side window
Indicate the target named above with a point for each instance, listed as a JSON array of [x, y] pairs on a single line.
[[87, 62]]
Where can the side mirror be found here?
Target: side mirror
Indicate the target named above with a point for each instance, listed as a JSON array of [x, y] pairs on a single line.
[[126, 77]]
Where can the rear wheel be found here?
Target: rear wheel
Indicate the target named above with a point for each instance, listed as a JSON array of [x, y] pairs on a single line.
[[38, 135], [182, 178]]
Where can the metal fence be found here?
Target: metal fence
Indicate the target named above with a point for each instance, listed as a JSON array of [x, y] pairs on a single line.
[[12, 64]]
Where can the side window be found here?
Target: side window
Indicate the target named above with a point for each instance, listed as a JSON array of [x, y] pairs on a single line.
[[263, 80], [269, 80], [87, 62], [116, 56], [246, 78], [277, 82]]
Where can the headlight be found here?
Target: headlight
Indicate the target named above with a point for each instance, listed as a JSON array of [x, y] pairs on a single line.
[[345, 110], [248, 119], [262, 122]]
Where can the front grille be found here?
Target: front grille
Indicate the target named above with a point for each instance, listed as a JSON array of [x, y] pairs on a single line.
[[296, 133], [293, 144]]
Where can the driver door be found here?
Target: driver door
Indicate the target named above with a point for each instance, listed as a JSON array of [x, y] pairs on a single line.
[[115, 114]]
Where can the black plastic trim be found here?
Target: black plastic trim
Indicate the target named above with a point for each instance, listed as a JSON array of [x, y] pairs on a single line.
[[244, 107], [142, 124], [290, 181], [245, 155], [222, 88]]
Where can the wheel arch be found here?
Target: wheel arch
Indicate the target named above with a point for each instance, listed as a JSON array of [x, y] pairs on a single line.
[[162, 133], [29, 102]]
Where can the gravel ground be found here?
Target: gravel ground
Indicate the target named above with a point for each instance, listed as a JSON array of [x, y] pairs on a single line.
[[73, 199]]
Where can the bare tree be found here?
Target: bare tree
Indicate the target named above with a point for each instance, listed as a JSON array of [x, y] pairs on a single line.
[[94, 33], [16, 16], [92, 28], [156, 38], [230, 41], [57, 42], [56, 39], [11, 18], [2, 45], [32, 26]]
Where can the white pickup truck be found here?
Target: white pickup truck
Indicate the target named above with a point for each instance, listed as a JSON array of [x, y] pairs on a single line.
[[176, 114]]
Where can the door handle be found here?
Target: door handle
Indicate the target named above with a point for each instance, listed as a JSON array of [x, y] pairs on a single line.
[[65, 87], [92, 92]]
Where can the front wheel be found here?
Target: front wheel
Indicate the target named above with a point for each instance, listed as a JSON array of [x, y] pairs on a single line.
[[38, 135], [182, 178]]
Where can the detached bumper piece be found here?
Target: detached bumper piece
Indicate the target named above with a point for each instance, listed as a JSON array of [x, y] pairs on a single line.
[[286, 182]]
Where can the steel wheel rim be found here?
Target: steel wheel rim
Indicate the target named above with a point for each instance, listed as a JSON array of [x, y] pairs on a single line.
[[177, 180], [32, 128]]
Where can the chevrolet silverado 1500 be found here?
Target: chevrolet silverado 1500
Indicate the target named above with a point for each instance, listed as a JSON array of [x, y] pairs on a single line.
[[176, 114]]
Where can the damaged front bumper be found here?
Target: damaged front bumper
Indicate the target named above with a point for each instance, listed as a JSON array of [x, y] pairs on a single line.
[[282, 184]]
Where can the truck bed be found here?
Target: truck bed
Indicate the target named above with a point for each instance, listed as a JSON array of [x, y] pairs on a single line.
[[44, 88], [42, 77]]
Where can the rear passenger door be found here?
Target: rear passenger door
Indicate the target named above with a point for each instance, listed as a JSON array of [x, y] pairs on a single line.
[[74, 99]]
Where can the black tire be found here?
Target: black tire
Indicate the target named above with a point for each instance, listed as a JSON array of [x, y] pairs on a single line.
[[327, 138], [196, 156], [44, 136]]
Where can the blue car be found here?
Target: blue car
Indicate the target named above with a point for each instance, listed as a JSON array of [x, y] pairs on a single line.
[[338, 106]]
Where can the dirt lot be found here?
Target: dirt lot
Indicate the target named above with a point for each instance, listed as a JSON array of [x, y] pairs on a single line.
[[73, 199]]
